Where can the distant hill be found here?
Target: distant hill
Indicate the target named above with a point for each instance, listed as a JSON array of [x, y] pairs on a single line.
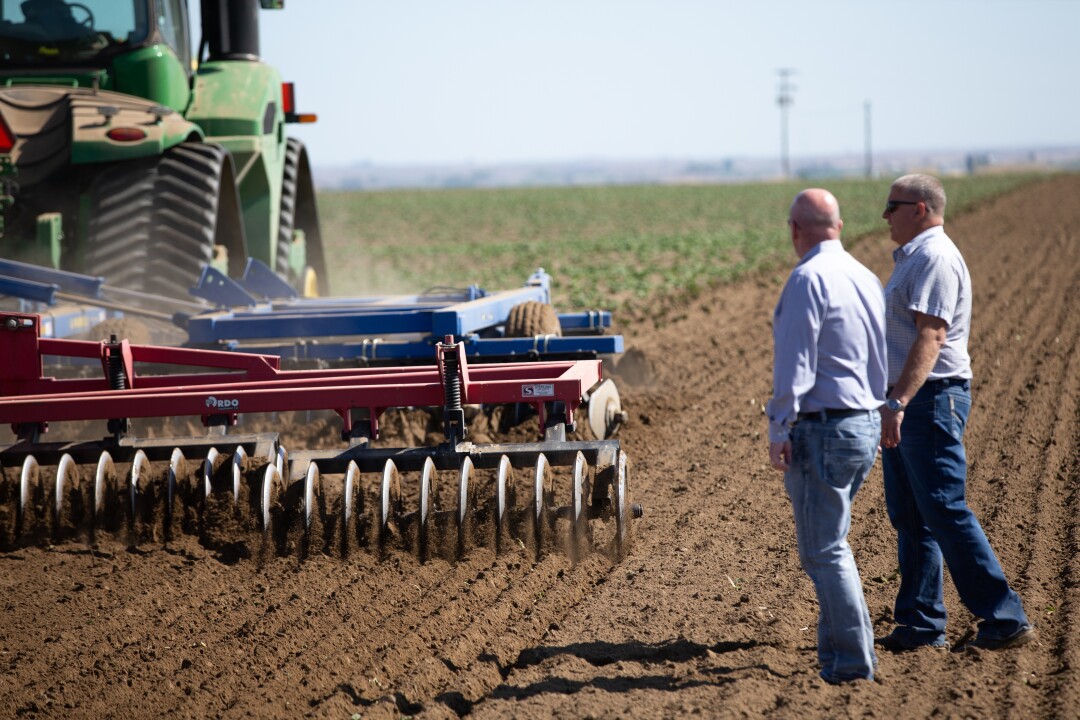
[[685, 171]]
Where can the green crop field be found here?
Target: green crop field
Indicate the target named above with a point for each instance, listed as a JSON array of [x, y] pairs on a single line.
[[605, 247]]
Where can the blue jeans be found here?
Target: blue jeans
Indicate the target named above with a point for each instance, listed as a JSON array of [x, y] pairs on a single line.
[[830, 459], [925, 478]]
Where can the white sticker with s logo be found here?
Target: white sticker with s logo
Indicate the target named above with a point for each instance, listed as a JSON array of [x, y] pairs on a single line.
[[539, 390]]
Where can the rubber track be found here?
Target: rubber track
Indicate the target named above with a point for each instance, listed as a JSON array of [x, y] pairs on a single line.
[[287, 216], [153, 226], [299, 212]]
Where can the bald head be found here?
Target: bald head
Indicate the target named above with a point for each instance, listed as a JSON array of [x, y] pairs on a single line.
[[814, 217], [817, 212]]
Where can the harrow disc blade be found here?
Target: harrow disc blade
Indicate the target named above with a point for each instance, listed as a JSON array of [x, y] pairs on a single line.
[[622, 509], [578, 519], [504, 498], [352, 479], [208, 471], [605, 410], [541, 489], [177, 469], [29, 477], [271, 482], [390, 500], [427, 489], [311, 481], [66, 475], [238, 460], [139, 485], [103, 475], [465, 505]]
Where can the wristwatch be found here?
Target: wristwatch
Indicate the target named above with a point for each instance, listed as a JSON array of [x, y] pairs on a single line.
[[895, 405]]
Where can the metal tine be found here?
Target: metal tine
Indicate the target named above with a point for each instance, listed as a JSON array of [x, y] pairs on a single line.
[[465, 505], [541, 486], [280, 459], [352, 480], [271, 478], [504, 497], [140, 467], [67, 476], [577, 506], [208, 470], [390, 499], [427, 488], [29, 475], [177, 469], [104, 473], [622, 508], [311, 482], [349, 525], [239, 457]]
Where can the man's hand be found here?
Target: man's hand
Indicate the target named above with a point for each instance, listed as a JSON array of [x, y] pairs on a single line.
[[921, 359], [780, 455], [890, 427]]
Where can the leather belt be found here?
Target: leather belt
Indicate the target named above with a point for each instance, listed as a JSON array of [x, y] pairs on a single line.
[[831, 414], [938, 383]]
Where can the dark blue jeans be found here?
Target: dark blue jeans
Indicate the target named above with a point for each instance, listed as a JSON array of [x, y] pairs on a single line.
[[925, 480]]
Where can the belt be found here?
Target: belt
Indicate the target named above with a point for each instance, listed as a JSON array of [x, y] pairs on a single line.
[[939, 383], [830, 414]]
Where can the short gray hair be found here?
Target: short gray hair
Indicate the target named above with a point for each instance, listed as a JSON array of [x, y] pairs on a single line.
[[924, 188]]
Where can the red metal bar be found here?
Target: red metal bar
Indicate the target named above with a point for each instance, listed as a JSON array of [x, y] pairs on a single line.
[[258, 386]]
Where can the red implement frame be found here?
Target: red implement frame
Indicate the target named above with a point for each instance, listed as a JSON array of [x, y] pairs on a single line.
[[253, 383]]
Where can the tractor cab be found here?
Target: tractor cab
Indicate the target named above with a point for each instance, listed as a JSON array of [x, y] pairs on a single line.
[[136, 47], [56, 33]]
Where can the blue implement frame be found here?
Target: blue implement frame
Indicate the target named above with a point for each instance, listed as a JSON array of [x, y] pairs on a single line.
[[261, 314]]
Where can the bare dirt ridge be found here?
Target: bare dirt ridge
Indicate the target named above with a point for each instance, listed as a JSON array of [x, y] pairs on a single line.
[[710, 614]]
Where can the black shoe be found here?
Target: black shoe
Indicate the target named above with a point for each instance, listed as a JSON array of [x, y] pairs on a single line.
[[894, 644], [1021, 637]]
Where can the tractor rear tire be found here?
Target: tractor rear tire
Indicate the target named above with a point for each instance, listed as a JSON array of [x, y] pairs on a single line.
[[529, 319], [154, 225], [299, 212]]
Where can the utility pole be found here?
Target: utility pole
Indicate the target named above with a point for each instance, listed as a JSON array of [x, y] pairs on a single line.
[[784, 100], [869, 154]]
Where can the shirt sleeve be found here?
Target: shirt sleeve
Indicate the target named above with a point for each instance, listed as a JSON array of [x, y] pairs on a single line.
[[796, 327], [936, 289]]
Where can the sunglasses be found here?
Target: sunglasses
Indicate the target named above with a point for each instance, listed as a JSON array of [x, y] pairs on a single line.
[[891, 205]]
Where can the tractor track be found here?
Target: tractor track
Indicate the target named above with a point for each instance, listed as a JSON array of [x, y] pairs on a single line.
[[709, 614]]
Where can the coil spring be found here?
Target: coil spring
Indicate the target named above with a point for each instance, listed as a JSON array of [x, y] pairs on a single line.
[[451, 382], [117, 376]]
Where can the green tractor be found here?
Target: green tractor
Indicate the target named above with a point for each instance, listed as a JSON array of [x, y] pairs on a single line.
[[123, 156]]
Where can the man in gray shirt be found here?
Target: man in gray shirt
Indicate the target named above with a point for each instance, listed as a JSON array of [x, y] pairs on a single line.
[[928, 315], [828, 383]]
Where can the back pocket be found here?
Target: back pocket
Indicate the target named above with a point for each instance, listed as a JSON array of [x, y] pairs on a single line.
[[848, 459]]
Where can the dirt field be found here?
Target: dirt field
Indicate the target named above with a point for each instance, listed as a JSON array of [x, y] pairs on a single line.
[[710, 615]]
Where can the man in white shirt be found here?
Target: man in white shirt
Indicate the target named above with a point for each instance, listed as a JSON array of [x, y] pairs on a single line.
[[828, 383], [928, 316]]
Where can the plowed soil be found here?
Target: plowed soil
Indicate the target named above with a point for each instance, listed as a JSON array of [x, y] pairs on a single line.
[[709, 615]]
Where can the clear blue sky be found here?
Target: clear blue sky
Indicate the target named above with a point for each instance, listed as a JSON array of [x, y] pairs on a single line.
[[490, 81]]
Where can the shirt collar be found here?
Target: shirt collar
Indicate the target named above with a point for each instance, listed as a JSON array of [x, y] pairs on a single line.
[[823, 246], [909, 248]]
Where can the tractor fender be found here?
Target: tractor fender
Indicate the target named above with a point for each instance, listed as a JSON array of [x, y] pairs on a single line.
[[137, 128], [55, 126]]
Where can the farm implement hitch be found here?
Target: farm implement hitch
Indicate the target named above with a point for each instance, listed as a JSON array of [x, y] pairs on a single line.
[[315, 500]]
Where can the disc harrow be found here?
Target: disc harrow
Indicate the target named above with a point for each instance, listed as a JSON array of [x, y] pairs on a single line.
[[245, 494]]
